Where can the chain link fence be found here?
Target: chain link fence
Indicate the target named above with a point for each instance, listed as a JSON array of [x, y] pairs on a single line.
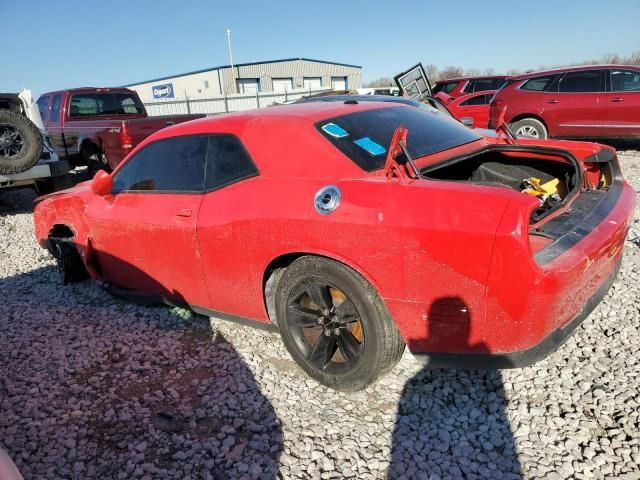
[[224, 104]]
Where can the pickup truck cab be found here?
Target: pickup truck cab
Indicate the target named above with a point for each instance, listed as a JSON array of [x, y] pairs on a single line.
[[98, 127]]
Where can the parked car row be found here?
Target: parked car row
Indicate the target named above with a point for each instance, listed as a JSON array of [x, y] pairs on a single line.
[[584, 102]]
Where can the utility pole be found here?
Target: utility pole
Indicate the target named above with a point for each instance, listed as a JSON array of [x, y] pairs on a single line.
[[231, 88]]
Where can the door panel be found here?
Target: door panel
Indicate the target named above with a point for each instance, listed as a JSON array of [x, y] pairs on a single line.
[[144, 232], [622, 103], [148, 242], [576, 109], [474, 106]]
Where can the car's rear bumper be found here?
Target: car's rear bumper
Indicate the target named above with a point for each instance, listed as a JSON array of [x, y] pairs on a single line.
[[521, 358], [530, 304]]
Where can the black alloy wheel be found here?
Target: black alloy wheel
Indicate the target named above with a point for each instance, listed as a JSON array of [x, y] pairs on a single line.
[[325, 326], [334, 324], [11, 141]]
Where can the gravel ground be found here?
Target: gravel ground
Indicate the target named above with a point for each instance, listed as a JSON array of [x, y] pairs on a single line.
[[92, 387]]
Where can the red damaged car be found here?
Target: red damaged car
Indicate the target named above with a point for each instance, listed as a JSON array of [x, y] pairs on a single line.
[[447, 90], [474, 106], [354, 229]]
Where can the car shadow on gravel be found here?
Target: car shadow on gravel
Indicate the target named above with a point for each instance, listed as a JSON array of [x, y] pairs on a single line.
[[17, 200], [128, 391], [452, 423]]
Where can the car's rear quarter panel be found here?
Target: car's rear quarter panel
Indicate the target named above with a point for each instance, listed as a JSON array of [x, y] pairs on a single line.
[[526, 301], [416, 244]]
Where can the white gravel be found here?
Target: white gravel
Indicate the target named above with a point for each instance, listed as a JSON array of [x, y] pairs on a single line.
[[92, 387]]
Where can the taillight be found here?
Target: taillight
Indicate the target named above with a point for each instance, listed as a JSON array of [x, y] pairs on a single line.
[[126, 142]]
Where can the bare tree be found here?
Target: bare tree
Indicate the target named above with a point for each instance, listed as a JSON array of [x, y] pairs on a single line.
[[432, 72], [634, 58], [611, 58], [450, 72]]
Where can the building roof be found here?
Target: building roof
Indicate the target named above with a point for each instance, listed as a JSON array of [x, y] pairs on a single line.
[[220, 67]]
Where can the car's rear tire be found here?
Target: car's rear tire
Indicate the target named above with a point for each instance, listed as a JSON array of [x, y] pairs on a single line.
[[529, 127], [20, 142], [335, 325], [70, 264]]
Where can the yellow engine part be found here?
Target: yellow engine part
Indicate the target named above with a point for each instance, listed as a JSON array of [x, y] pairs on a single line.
[[542, 189]]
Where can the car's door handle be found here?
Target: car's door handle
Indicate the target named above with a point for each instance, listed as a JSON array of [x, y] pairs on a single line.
[[617, 99], [553, 101], [183, 212], [168, 123]]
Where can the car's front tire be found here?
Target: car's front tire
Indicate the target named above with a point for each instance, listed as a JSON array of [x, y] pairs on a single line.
[[529, 127], [335, 325], [70, 264]]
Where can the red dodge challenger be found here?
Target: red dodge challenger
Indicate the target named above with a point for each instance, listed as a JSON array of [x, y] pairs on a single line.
[[354, 229]]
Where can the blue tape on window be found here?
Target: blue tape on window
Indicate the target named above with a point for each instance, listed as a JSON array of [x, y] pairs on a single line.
[[370, 146], [335, 130]]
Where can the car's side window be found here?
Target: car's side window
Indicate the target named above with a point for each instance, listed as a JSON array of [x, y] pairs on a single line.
[[538, 84], [444, 87], [624, 80], [173, 165], [483, 84], [54, 116], [585, 81], [227, 162], [83, 105], [477, 100], [43, 105]]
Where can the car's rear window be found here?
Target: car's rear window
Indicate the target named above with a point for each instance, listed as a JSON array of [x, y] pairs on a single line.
[[364, 137], [92, 104]]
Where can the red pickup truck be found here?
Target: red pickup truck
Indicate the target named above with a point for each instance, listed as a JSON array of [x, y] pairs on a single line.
[[98, 127]]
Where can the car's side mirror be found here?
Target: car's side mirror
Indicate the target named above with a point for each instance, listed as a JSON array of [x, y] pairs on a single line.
[[467, 121], [102, 183]]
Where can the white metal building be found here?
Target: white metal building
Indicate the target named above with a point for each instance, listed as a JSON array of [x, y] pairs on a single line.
[[291, 74]]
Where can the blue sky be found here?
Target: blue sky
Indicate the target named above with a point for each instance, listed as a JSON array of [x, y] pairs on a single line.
[[96, 43]]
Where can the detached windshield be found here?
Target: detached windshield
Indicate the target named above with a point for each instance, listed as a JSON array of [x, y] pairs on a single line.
[[364, 137]]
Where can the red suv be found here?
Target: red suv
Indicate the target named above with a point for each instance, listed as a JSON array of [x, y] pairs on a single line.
[[447, 90], [598, 101]]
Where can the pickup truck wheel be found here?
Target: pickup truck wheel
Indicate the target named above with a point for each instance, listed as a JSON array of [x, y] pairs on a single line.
[[20, 142], [70, 264], [53, 184], [529, 127], [335, 325], [95, 160]]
